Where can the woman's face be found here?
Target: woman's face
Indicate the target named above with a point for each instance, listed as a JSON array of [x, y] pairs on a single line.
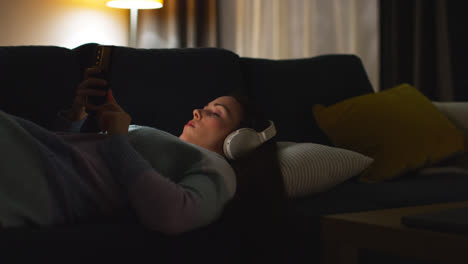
[[212, 124]]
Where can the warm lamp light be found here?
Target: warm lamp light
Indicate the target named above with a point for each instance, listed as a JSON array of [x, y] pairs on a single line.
[[134, 5]]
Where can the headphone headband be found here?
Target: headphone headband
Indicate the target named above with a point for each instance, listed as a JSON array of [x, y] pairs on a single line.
[[269, 132], [245, 140]]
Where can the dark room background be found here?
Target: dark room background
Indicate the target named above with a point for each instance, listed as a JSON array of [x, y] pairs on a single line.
[[424, 43]]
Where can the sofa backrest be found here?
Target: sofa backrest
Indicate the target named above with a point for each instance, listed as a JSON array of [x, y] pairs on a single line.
[[161, 87], [37, 81], [285, 91]]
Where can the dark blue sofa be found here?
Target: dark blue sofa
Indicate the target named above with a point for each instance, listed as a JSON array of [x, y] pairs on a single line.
[[160, 88]]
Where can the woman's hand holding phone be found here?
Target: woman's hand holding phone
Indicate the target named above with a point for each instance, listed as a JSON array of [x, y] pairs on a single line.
[[86, 88], [111, 117]]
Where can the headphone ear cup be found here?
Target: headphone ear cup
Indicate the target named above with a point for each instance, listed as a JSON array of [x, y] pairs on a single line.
[[241, 142]]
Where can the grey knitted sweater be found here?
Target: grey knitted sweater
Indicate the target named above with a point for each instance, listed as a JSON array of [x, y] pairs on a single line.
[[171, 185]]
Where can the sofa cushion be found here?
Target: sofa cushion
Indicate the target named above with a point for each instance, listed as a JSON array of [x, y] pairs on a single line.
[[37, 81], [285, 90], [400, 128], [304, 214], [309, 168], [353, 196]]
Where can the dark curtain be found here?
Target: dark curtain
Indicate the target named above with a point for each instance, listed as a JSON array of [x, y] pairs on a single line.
[[179, 24], [423, 43]]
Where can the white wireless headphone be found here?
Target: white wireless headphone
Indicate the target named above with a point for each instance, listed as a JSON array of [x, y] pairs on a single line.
[[244, 140]]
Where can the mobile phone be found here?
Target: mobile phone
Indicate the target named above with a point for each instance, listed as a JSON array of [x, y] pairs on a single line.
[[102, 59]]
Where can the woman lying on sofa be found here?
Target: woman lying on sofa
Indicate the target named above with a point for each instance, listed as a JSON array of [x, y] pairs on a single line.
[[173, 184]]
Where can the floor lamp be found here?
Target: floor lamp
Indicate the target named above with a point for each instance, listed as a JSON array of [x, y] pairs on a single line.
[[134, 5]]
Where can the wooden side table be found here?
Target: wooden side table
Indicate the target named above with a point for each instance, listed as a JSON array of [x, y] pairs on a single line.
[[344, 234]]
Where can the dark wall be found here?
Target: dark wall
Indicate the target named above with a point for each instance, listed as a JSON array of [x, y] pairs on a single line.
[[409, 51], [458, 30]]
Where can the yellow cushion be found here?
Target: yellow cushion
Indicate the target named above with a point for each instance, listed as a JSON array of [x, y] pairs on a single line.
[[399, 128]]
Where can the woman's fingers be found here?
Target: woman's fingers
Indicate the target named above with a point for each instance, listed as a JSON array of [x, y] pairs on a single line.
[[91, 71], [104, 107], [90, 92], [85, 89], [110, 97], [90, 82]]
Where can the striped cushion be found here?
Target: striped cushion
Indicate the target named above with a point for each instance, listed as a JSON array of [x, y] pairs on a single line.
[[309, 168]]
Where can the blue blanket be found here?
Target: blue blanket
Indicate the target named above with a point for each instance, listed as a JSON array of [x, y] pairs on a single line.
[[24, 192]]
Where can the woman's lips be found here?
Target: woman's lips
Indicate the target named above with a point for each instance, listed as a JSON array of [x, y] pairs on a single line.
[[190, 123]]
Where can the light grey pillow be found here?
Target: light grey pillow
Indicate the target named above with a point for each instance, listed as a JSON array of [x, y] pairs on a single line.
[[310, 168], [457, 113]]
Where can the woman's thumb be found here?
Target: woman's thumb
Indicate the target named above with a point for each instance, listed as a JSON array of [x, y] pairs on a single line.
[[110, 96]]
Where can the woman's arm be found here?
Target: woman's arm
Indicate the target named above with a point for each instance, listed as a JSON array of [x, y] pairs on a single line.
[[161, 204], [63, 123]]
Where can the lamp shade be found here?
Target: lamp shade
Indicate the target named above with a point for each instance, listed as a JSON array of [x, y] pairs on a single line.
[[135, 4]]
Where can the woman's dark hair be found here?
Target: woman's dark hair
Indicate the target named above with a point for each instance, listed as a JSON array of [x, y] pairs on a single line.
[[258, 206], [264, 157], [251, 118]]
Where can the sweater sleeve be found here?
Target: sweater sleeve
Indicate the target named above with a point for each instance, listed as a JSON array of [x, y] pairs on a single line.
[[160, 203], [62, 123]]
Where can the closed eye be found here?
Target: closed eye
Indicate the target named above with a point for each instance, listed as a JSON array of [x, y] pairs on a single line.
[[216, 106]]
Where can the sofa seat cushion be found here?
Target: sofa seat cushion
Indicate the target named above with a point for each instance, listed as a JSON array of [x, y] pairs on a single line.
[[353, 196], [302, 226]]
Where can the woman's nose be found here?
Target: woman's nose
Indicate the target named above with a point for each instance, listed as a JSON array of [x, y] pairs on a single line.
[[197, 114]]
